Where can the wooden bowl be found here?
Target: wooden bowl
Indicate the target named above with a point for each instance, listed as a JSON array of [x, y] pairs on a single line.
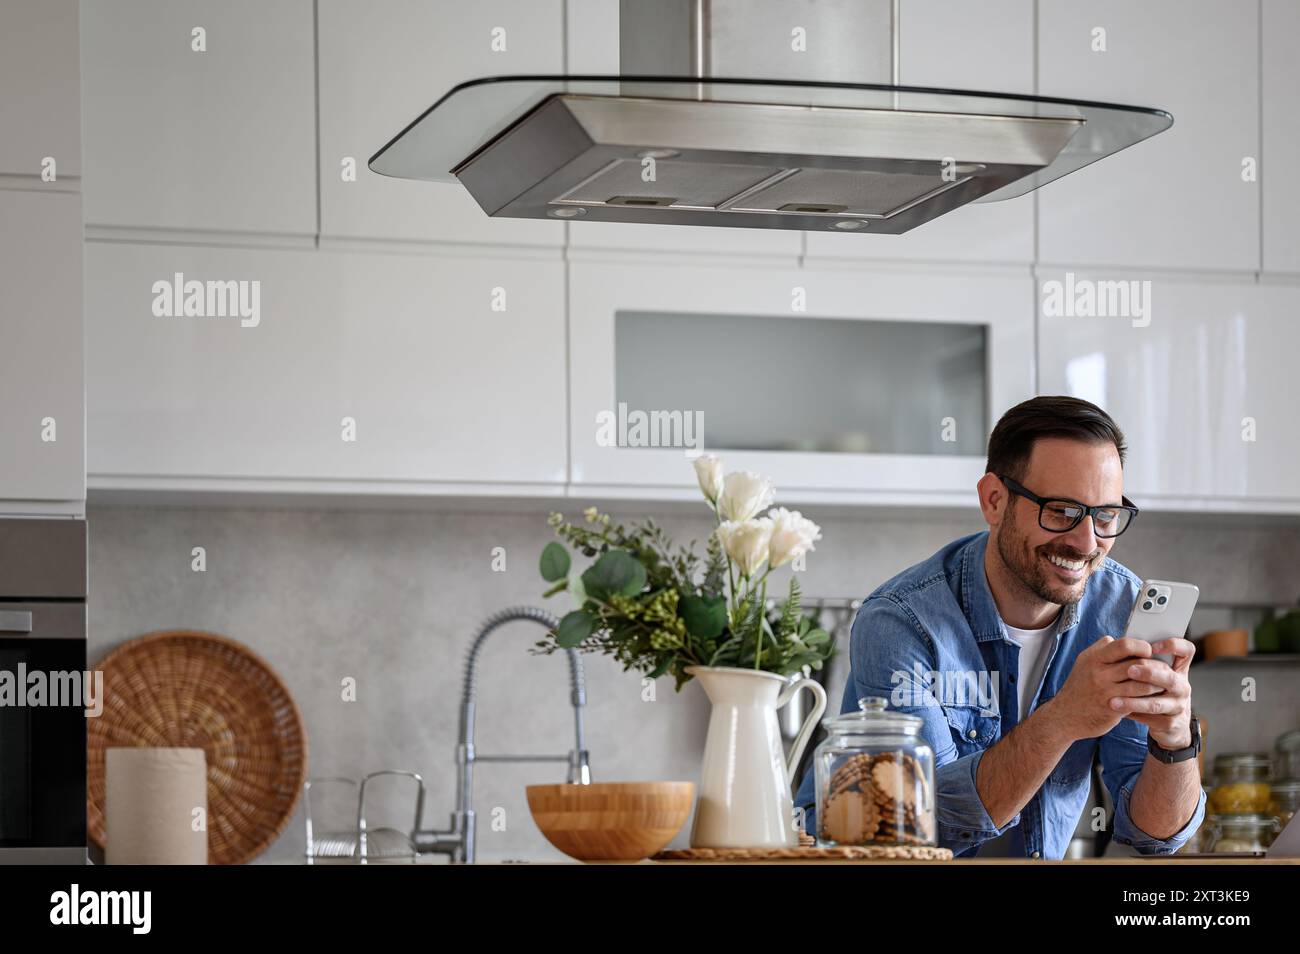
[[1225, 642], [611, 821]]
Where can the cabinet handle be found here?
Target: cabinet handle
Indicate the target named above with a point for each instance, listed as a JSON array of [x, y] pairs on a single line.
[[15, 621]]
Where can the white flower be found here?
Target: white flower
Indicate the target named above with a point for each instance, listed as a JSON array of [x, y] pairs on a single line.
[[746, 542], [792, 535], [743, 495], [708, 471]]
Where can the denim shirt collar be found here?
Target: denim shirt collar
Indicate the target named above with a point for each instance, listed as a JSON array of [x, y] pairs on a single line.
[[977, 600]]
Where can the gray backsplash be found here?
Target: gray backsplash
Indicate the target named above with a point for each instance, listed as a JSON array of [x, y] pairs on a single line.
[[392, 599]]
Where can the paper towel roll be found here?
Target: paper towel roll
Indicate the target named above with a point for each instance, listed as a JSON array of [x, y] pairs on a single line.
[[154, 800]]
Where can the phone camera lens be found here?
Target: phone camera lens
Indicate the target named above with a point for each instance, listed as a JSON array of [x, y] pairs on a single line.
[[1163, 600], [1151, 592], [1146, 605]]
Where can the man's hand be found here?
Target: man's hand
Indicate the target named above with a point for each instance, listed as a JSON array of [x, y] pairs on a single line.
[[1102, 674], [1167, 715]]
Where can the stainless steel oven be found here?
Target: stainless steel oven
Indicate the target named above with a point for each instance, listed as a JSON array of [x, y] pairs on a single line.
[[43, 691]]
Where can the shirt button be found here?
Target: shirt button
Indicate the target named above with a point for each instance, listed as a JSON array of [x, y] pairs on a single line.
[[1034, 855], [972, 733]]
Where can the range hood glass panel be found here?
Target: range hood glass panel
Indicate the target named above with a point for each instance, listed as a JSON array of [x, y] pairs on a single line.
[[472, 114]]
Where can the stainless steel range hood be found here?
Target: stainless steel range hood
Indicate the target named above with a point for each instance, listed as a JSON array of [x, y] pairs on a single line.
[[780, 114]]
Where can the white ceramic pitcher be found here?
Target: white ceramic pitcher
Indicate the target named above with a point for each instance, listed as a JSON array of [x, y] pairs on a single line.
[[744, 795]]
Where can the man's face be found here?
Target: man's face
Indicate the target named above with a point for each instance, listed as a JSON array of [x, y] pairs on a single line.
[[1056, 566]]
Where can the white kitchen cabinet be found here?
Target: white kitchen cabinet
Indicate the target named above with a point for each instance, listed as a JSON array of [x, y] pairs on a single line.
[[1281, 188], [953, 44], [728, 343], [1177, 200], [380, 68], [42, 409], [722, 241], [1204, 392], [222, 140], [404, 353], [39, 88]]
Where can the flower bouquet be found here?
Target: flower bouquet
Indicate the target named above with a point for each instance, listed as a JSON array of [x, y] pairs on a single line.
[[659, 608]]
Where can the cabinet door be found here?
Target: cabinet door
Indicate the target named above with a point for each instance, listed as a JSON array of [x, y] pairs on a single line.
[[1177, 200], [952, 44], [42, 416], [221, 140], [857, 386], [40, 88], [1203, 392], [380, 69], [394, 370], [1281, 71]]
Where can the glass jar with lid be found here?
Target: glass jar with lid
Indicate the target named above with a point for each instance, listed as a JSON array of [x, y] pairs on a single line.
[[1287, 763], [1286, 799], [1240, 784], [1240, 834], [875, 779]]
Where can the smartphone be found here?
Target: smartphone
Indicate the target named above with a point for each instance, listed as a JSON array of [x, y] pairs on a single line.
[[1163, 609]]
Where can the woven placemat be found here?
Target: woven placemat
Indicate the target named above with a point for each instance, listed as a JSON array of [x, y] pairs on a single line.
[[806, 853], [200, 690]]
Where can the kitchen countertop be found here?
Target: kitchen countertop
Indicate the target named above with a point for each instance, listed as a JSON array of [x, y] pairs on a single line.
[[964, 862]]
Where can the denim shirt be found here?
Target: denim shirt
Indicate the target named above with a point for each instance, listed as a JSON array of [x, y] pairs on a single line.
[[939, 616]]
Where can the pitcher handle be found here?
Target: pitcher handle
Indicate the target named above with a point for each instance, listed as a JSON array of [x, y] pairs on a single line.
[[809, 724]]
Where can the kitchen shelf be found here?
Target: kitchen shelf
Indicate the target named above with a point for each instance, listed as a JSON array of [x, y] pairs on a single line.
[[1270, 658]]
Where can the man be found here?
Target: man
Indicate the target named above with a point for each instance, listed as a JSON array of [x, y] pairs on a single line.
[[1034, 610]]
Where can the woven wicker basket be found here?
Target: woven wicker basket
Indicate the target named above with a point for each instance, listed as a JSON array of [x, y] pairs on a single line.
[[201, 690]]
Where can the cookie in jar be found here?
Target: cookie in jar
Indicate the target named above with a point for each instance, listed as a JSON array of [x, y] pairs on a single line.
[[875, 779]]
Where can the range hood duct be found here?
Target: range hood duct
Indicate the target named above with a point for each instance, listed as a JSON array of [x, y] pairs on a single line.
[[782, 114]]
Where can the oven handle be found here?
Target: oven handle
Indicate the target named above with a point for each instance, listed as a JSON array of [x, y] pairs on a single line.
[[15, 621]]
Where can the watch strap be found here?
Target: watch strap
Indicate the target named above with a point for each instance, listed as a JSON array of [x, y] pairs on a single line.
[[1169, 756]]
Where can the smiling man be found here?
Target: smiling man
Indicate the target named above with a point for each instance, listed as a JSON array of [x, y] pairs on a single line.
[[1035, 606]]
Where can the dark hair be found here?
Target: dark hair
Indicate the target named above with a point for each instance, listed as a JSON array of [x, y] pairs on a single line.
[[1048, 415]]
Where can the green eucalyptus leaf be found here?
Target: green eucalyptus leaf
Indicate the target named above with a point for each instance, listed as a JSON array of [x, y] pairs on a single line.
[[554, 563], [574, 628], [616, 572], [705, 616]]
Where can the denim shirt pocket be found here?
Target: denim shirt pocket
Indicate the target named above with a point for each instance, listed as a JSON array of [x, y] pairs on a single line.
[[973, 730]]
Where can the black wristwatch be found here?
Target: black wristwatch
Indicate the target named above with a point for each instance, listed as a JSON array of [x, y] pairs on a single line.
[[1169, 756]]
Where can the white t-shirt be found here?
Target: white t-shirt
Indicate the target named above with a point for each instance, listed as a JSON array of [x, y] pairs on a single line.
[[1033, 645]]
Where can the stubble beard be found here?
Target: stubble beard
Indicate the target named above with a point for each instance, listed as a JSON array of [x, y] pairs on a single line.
[[1027, 564]]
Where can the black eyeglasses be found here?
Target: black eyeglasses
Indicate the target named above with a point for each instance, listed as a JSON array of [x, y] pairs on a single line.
[[1059, 515]]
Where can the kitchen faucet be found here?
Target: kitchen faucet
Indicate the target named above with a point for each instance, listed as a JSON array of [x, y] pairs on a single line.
[[458, 842]]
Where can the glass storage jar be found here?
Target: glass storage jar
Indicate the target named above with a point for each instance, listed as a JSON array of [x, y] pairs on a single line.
[[1240, 784], [1287, 758], [875, 779], [1240, 834], [1286, 799]]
